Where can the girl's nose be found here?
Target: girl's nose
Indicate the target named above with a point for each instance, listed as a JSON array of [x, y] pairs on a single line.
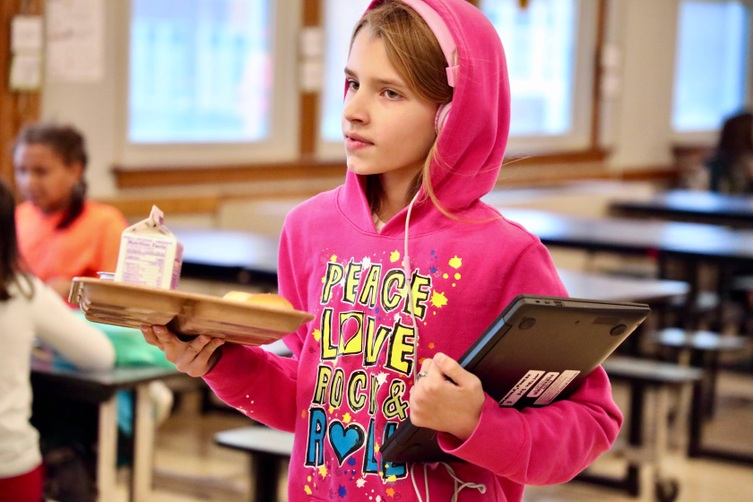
[[354, 107]]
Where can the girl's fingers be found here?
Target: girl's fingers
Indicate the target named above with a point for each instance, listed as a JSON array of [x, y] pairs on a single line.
[[194, 357], [150, 337]]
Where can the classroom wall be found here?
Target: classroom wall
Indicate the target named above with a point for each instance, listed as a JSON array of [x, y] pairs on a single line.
[[635, 125], [94, 107], [644, 32]]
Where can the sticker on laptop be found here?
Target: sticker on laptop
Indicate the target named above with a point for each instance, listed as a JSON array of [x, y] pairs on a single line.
[[521, 388], [540, 385]]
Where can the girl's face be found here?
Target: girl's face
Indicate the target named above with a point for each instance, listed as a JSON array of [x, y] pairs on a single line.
[[43, 178], [388, 129]]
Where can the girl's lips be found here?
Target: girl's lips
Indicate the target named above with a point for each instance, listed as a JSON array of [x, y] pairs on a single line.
[[355, 143]]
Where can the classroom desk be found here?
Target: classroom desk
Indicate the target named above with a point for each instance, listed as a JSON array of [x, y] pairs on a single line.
[[622, 289], [228, 255], [100, 388], [686, 205], [243, 257], [639, 374], [688, 245], [642, 375], [246, 257], [696, 241]]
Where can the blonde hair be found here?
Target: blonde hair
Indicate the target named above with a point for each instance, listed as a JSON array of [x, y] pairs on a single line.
[[417, 56]]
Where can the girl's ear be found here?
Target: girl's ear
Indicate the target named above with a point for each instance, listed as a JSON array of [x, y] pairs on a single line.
[[441, 117]]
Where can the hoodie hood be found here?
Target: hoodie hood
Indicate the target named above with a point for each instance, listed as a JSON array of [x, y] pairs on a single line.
[[472, 143]]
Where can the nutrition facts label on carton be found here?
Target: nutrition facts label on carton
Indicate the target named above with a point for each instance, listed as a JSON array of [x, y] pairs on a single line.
[[150, 255]]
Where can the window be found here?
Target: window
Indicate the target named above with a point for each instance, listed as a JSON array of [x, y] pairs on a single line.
[[541, 58], [200, 71], [713, 38], [210, 74], [545, 45], [340, 17]]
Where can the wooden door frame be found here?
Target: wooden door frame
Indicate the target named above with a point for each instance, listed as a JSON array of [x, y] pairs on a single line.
[[16, 107]]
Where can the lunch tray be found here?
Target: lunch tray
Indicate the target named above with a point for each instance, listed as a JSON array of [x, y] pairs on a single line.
[[130, 305]]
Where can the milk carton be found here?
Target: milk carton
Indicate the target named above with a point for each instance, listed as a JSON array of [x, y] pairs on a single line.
[[150, 255]]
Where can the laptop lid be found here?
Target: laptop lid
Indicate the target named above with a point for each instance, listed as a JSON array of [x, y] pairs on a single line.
[[537, 351]]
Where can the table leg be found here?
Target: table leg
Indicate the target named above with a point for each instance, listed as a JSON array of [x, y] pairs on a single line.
[[143, 445], [635, 436], [266, 476], [695, 432], [660, 426], [107, 442]]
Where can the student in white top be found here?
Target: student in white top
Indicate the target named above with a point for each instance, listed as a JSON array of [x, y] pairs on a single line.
[[29, 309]]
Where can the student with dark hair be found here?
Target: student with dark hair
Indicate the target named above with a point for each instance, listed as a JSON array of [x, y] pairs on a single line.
[[30, 309], [61, 233], [731, 164]]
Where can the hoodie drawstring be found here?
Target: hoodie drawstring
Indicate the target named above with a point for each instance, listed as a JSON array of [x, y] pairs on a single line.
[[459, 484]]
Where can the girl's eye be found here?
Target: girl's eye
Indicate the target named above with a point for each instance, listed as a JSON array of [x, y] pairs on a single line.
[[352, 84], [390, 94]]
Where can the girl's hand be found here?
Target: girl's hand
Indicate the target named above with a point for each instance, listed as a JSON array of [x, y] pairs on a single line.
[[194, 358], [448, 399]]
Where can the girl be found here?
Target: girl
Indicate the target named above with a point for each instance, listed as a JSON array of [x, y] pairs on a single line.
[[61, 234], [29, 309], [404, 267]]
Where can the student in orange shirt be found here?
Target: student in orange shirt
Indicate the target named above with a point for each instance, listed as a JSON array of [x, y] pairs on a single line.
[[61, 234]]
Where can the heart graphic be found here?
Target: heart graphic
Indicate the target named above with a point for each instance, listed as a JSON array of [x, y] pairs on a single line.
[[345, 440]]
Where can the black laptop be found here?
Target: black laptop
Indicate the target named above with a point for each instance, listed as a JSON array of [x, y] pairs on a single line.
[[539, 350]]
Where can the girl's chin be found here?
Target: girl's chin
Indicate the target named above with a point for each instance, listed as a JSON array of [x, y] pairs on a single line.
[[357, 167]]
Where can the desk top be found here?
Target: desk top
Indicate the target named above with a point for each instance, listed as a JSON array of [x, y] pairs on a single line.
[[708, 207], [636, 236], [95, 386], [624, 289], [222, 254], [646, 370], [215, 250]]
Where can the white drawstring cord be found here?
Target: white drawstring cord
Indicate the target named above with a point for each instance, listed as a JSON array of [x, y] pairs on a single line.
[[426, 483], [459, 484]]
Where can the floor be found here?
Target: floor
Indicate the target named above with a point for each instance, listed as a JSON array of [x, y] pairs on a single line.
[[189, 467]]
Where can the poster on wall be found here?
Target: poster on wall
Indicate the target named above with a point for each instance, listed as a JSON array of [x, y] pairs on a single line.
[[75, 40], [26, 53]]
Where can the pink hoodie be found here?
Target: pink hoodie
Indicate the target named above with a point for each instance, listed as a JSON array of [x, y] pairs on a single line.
[[347, 386]]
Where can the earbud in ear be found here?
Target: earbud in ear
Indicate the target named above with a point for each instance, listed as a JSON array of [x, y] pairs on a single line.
[[441, 117]]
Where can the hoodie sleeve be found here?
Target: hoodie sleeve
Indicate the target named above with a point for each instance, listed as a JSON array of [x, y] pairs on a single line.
[[550, 444], [259, 384]]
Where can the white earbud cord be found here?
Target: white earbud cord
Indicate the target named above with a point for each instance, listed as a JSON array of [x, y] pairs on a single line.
[[459, 484], [409, 285]]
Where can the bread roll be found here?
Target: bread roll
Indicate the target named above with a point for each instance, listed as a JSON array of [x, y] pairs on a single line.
[[236, 296], [268, 299]]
